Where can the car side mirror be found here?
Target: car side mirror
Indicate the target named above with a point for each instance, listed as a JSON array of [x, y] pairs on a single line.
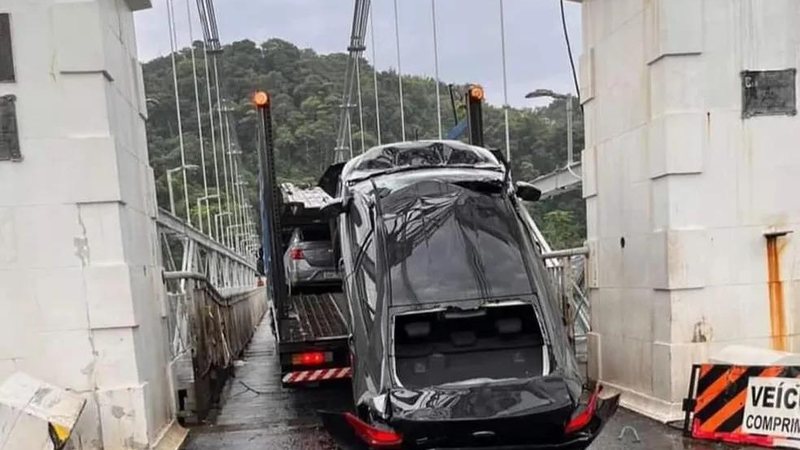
[[334, 208], [528, 192]]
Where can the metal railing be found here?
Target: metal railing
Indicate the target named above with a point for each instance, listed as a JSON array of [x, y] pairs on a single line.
[[186, 249], [208, 331], [215, 301], [568, 273]]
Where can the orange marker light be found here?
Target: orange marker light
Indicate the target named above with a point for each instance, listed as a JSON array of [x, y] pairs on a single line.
[[476, 92], [261, 99]]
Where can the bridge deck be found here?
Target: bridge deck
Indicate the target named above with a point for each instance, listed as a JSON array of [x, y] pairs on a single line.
[[256, 413]]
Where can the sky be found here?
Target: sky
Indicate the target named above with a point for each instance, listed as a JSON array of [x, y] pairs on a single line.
[[468, 34]]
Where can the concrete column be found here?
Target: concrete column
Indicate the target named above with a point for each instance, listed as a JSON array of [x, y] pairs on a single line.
[[80, 278], [681, 189]]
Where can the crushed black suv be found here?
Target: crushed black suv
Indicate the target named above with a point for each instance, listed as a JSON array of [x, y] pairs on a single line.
[[457, 340]]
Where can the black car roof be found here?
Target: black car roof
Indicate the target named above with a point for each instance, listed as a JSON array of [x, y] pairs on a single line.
[[417, 155]]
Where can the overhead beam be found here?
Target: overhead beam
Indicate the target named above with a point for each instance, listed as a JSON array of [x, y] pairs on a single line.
[[559, 181]]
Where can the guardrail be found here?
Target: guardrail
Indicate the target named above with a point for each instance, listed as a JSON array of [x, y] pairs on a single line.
[[568, 272], [214, 307], [186, 249], [208, 331]]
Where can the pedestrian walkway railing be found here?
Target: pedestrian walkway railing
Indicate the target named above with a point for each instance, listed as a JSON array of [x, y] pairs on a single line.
[[186, 249], [208, 330], [568, 273], [214, 305]]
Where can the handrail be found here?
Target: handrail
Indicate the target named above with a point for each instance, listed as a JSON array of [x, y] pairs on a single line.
[[578, 251], [171, 222], [218, 297]]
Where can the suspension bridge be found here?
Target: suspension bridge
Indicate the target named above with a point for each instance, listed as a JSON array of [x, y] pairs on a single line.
[[136, 313]]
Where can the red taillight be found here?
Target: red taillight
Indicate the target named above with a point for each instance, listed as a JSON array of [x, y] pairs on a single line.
[[308, 359], [580, 421], [296, 253], [372, 436]]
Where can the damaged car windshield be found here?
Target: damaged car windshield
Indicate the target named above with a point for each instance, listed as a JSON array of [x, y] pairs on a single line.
[[451, 240]]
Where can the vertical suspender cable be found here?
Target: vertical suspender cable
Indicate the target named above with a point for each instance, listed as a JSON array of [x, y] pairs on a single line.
[[205, 11], [219, 235], [223, 151], [199, 120], [399, 72], [173, 44], [436, 68], [350, 133], [229, 153], [238, 189], [360, 104], [355, 49], [505, 80], [375, 76], [569, 52]]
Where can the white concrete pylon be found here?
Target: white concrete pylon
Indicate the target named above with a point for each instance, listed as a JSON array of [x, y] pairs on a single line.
[[690, 180], [80, 276]]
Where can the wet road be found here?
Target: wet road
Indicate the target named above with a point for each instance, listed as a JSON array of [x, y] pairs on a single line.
[[257, 414]]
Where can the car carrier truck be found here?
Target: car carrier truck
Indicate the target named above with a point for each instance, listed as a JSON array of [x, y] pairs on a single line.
[[308, 325]]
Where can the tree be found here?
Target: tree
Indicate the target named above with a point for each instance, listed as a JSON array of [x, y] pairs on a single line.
[[306, 91]]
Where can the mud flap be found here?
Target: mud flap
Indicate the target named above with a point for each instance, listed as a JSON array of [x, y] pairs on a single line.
[[341, 431]]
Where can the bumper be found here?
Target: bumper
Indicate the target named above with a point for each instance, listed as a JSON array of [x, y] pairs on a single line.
[[314, 276], [347, 439]]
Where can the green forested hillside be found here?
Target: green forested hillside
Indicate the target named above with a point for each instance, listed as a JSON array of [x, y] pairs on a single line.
[[306, 91]]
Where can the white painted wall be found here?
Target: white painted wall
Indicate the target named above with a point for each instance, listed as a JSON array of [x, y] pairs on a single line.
[[80, 276], [671, 167]]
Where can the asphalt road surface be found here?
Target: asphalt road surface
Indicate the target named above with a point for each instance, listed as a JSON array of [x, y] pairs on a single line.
[[255, 413]]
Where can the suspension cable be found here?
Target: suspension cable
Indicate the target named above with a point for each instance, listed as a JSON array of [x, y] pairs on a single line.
[[375, 75], [199, 119], [238, 189], [399, 71], [350, 133], [219, 235], [436, 68], [505, 80], [360, 105], [205, 9], [569, 52], [173, 38], [228, 158], [355, 49], [223, 151]]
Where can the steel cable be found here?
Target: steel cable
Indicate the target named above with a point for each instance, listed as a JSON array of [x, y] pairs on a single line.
[[505, 81], [375, 76], [399, 72], [199, 119], [173, 38], [436, 68]]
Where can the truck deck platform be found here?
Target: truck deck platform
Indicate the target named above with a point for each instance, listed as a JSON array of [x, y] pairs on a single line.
[[313, 318]]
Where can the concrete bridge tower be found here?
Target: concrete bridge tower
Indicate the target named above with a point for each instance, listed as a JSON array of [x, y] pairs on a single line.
[[691, 181], [81, 288]]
